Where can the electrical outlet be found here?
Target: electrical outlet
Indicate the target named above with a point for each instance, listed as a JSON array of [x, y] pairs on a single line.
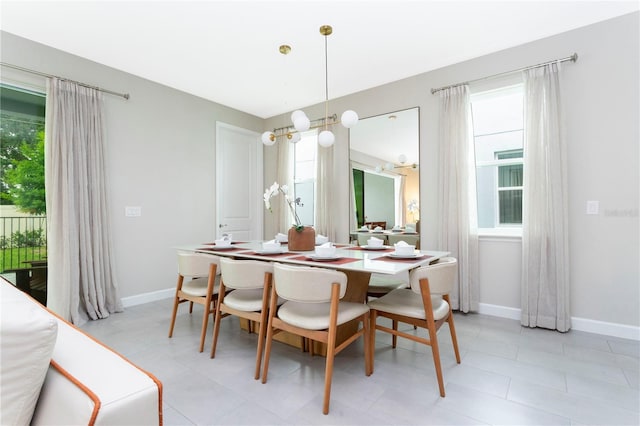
[[134, 211], [593, 207]]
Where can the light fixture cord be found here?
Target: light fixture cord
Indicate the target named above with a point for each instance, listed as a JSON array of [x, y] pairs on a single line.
[[326, 84]]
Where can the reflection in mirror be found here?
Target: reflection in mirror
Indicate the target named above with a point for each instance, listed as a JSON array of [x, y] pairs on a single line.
[[384, 158]]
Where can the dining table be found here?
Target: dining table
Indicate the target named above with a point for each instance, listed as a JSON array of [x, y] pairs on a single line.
[[357, 262]]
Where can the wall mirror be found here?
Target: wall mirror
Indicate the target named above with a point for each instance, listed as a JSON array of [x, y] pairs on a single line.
[[385, 171]]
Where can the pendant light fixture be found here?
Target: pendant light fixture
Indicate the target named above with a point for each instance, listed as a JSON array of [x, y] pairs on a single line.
[[301, 122]]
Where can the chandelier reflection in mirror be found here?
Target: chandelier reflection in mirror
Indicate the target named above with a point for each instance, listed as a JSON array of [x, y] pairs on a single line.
[[301, 122]]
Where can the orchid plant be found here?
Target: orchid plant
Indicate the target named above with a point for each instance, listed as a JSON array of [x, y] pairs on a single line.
[[284, 189]]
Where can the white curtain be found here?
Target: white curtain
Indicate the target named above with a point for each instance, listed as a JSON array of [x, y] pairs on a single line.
[[401, 202], [458, 230], [325, 215], [285, 177], [545, 250], [81, 278]]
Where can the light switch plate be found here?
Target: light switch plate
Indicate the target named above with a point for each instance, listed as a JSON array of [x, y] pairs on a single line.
[[133, 211], [593, 207]]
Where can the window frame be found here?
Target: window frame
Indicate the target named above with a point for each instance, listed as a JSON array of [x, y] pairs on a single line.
[[500, 229]]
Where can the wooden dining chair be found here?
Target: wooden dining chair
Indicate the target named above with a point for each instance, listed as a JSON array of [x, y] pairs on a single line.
[[313, 310], [245, 287], [426, 305], [201, 287]]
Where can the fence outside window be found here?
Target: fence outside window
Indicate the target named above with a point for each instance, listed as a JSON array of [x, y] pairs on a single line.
[[22, 240]]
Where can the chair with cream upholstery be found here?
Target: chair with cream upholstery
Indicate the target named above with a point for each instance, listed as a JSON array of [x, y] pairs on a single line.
[[202, 288], [425, 304], [245, 288], [313, 310], [379, 284], [410, 239]]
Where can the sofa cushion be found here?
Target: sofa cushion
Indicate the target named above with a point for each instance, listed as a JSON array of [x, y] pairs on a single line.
[[27, 339]]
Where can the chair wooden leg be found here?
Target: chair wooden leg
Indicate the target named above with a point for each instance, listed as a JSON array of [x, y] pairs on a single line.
[[373, 314], [205, 324], [394, 337], [328, 370], [176, 302], [454, 338], [269, 338], [263, 324], [216, 330], [368, 369], [435, 350], [190, 307]]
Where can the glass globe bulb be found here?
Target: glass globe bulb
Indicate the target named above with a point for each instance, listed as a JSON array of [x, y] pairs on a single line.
[[388, 166], [378, 169], [268, 138], [402, 158], [326, 138], [349, 118], [295, 138], [302, 123], [297, 113]]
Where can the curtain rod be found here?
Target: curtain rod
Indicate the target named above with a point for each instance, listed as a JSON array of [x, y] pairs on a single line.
[[572, 58], [15, 67]]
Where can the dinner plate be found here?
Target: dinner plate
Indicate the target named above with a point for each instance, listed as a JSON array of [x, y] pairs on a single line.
[[323, 258], [377, 232], [279, 251], [374, 247], [410, 232], [406, 256]]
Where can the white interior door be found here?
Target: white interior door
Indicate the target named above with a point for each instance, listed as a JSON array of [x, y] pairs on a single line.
[[238, 182]]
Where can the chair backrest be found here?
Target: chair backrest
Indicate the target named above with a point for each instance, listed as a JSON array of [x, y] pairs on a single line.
[[196, 265], [307, 284], [409, 239], [441, 276], [247, 274], [363, 238]]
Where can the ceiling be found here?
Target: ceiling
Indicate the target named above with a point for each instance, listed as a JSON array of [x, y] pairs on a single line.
[[227, 51]]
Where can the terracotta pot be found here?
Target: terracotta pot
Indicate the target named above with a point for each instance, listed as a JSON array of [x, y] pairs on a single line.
[[304, 240]]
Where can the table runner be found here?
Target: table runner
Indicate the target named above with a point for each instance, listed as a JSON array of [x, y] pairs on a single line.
[[339, 261], [401, 259], [385, 250]]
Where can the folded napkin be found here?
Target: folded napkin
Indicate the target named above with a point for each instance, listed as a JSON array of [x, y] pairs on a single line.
[[401, 243], [281, 238], [374, 239], [321, 239], [270, 242], [364, 228], [377, 228], [327, 244]]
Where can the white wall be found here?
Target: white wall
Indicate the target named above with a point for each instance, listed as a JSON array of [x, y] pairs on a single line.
[[160, 156], [600, 94]]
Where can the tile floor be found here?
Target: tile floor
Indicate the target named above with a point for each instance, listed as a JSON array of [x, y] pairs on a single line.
[[508, 375]]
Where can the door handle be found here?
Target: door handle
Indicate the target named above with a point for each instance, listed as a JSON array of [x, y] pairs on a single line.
[[222, 226]]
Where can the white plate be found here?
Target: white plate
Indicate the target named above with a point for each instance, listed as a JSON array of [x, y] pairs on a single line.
[[279, 251], [377, 232], [410, 232], [374, 247], [406, 256], [323, 258]]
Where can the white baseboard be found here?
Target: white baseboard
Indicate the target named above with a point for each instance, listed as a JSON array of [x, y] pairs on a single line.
[[578, 324], [140, 299]]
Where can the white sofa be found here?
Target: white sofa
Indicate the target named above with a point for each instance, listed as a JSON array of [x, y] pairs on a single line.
[[52, 373]]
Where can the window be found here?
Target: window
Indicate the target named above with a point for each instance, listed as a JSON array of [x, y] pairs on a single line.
[[498, 132], [304, 176]]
